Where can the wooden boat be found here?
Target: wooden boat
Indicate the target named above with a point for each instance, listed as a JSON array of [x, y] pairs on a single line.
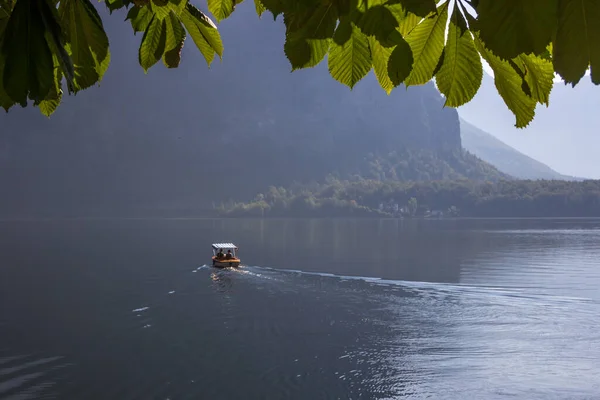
[[225, 255]]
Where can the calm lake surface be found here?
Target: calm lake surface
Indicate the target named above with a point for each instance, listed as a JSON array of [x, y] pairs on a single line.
[[325, 309]]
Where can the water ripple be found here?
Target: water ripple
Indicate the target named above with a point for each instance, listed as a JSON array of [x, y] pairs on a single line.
[[28, 377]]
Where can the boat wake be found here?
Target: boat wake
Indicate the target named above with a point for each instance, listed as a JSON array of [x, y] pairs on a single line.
[[428, 287], [200, 267], [285, 280]]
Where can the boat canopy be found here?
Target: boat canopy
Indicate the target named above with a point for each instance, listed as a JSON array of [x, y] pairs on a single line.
[[217, 246]]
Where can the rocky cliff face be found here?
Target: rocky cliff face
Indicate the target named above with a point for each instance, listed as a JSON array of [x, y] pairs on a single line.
[[183, 138]]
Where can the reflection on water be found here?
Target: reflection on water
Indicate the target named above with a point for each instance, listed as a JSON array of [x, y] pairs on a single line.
[[222, 280], [28, 376], [323, 309]]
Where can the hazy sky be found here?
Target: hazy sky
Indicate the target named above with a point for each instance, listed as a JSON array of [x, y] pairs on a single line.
[[564, 135]]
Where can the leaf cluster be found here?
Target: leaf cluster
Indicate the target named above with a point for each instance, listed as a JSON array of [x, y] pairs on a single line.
[[409, 42], [45, 44]]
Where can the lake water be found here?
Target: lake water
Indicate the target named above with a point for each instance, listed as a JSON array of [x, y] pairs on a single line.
[[325, 309]]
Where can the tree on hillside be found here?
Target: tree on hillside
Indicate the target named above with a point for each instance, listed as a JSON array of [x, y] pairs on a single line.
[[45, 43], [413, 205]]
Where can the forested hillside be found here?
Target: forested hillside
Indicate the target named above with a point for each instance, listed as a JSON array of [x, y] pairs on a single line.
[[467, 198]]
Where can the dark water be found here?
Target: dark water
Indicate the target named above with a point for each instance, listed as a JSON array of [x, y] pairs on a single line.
[[326, 309]]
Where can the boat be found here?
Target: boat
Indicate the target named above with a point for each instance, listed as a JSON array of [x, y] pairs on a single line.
[[226, 249]]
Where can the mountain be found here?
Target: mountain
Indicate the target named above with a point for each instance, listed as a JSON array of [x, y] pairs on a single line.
[[177, 140], [563, 136], [504, 157]]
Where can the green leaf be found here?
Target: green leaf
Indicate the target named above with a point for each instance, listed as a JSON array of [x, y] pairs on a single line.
[[308, 35], [102, 67], [7, 4], [513, 27], [174, 42], [547, 55], [297, 52], [305, 53], [520, 70], [461, 71], [5, 101], [406, 20], [400, 63], [343, 32], [88, 41], [114, 5], [350, 62], [577, 38], [56, 42], [203, 31], [6, 7], [440, 62], [140, 18], [318, 51], [49, 105], [377, 21], [276, 7], [427, 43], [381, 56], [160, 8], [508, 83], [177, 6], [421, 8], [28, 67], [153, 43], [408, 23], [221, 9], [538, 75], [316, 23], [474, 3], [260, 7], [346, 7]]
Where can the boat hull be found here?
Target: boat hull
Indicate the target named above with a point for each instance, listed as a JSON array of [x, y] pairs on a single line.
[[223, 263]]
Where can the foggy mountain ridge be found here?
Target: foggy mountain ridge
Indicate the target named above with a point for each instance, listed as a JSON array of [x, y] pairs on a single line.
[[504, 157]]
